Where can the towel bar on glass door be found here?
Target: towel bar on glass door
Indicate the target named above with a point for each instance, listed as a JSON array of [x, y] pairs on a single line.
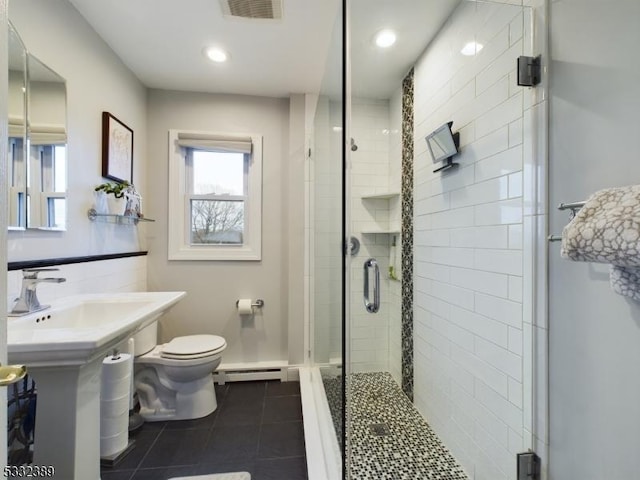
[[574, 207]]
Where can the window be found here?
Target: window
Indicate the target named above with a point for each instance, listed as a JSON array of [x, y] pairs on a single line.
[[215, 196], [17, 180], [47, 182]]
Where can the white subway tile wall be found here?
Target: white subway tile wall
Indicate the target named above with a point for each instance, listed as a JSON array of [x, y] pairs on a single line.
[[468, 237], [117, 275], [375, 168]]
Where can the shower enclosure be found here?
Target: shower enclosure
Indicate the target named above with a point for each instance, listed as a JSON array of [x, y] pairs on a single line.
[[422, 331]]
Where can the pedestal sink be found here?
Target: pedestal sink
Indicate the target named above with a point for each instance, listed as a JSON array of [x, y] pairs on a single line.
[[63, 348]]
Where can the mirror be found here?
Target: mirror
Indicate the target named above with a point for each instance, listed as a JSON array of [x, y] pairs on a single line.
[[17, 108], [47, 135], [37, 153]]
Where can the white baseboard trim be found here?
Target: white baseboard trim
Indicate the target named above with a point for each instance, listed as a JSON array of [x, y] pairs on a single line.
[[239, 372]]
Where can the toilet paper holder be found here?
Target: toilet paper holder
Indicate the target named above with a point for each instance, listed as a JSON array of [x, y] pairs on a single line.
[[258, 303]]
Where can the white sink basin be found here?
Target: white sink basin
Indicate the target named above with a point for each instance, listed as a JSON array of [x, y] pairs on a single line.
[[63, 348], [79, 328]]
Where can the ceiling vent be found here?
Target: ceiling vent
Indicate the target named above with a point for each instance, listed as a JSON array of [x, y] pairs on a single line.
[[252, 9]]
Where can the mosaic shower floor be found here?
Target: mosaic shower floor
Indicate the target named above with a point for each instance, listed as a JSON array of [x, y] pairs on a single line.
[[389, 439]]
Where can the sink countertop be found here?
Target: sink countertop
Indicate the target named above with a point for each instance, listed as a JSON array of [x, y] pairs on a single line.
[[79, 328]]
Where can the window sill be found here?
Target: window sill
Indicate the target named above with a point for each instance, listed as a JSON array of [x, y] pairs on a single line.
[[216, 253]]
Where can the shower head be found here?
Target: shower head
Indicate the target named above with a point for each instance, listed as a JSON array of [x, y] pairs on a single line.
[[354, 147]]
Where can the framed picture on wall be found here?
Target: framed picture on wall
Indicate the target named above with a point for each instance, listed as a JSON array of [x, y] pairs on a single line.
[[117, 149]]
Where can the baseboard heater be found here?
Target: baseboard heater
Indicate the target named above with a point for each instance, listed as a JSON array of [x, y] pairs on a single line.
[[239, 372]]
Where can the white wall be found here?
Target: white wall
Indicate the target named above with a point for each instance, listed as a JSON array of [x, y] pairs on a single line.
[[15, 106], [97, 81], [213, 287], [47, 104], [468, 241], [594, 334]]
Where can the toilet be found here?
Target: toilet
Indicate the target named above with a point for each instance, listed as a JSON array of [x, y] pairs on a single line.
[[174, 380]]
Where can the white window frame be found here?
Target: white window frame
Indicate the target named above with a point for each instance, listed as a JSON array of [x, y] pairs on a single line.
[[17, 184], [179, 221], [41, 189]]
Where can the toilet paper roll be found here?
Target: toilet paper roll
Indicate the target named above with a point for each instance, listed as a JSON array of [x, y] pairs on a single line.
[[115, 395], [111, 426], [116, 378], [117, 367], [244, 306], [110, 390], [114, 407], [113, 445]]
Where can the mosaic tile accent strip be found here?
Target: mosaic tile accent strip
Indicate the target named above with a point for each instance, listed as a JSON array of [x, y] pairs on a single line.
[[407, 235], [410, 451]]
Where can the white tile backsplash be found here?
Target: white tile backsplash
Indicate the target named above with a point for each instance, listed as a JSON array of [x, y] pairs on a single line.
[[106, 276]]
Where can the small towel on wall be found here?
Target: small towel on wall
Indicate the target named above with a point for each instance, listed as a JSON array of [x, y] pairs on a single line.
[[625, 281], [606, 229]]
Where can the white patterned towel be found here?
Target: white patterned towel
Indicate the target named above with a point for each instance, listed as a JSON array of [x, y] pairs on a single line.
[[625, 281], [606, 229]]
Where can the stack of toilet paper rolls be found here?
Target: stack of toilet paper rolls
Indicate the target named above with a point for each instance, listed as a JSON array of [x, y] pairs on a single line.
[[114, 404]]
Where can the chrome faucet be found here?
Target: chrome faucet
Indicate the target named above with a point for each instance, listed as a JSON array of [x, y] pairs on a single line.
[[28, 301]]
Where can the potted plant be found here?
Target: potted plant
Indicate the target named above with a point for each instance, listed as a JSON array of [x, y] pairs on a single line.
[[113, 194]]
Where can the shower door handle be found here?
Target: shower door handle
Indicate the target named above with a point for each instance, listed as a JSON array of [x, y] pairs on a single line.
[[372, 307]]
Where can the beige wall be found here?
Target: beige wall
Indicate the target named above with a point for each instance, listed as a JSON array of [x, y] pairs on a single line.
[[594, 359], [97, 80], [213, 286]]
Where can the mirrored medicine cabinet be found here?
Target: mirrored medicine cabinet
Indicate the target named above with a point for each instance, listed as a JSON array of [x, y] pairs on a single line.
[[37, 144]]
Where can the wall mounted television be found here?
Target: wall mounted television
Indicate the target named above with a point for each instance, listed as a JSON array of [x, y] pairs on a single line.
[[443, 145]]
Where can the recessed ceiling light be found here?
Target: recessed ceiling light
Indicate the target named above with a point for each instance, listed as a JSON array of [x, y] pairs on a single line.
[[471, 48], [385, 38], [216, 54]]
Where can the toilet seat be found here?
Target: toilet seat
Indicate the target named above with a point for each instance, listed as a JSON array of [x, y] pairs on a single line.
[[191, 347]]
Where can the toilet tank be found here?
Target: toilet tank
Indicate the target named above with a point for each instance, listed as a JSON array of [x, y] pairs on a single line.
[[146, 339]]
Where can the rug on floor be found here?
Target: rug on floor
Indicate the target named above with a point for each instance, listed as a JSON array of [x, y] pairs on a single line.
[[218, 476]]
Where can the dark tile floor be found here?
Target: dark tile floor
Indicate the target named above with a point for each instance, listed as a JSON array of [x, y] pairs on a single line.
[[257, 428]]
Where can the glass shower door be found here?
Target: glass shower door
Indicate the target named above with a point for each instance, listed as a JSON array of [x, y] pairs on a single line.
[[439, 368], [326, 241]]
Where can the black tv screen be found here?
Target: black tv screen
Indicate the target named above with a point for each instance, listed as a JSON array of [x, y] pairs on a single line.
[[441, 143]]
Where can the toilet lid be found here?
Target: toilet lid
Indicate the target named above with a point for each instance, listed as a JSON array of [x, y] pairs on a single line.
[[193, 346]]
